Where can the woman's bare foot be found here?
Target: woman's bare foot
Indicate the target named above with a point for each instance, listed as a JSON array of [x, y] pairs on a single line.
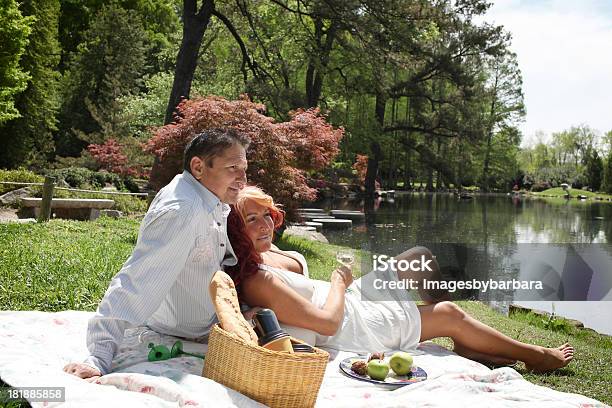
[[482, 357], [552, 359]]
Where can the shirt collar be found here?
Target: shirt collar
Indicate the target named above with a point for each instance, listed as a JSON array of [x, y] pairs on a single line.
[[210, 200]]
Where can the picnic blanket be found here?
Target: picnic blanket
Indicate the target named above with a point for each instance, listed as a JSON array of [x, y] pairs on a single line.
[[34, 347]]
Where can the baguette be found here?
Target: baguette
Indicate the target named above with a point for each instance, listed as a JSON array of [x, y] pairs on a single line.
[[225, 298]]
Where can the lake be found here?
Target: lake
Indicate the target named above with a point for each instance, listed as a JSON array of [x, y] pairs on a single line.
[[501, 237]]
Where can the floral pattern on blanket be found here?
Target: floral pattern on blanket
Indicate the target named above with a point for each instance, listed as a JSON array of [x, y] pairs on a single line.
[[35, 346]]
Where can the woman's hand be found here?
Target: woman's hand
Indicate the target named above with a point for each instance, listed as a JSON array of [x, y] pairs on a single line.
[[250, 314], [342, 275]]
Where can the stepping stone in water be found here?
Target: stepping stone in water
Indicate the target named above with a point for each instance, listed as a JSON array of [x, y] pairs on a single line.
[[351, 215], [334, 223], [311, 210], [316, 225], [311, 217]]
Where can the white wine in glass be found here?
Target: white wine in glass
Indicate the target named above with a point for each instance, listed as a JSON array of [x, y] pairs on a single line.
[[345, 257]]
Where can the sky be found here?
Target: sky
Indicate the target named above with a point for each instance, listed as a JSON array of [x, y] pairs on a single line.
[[564, 50]]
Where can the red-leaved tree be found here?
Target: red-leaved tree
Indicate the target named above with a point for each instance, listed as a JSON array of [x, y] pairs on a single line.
[[111, 158], [280, 154], [361, 166]]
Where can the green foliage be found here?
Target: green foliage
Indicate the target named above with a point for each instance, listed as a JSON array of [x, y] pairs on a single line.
[[80, 177], [145, 110], [594, 170], [571, 158], [28, 139], [554, 176], [108, 64], [160, 18], [14, 31], [19, 175], [607, 184]]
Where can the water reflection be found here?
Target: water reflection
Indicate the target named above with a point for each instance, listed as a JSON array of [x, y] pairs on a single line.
[[501, 220], [492, 237]]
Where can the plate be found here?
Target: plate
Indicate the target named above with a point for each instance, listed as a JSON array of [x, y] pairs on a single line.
[[417, 374]]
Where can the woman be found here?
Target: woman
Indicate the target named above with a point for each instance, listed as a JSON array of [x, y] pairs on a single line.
[[335, 314]]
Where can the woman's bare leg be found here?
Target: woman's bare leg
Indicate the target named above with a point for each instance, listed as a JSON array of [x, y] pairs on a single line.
[[446, 319], [484, 358], [418, 253]]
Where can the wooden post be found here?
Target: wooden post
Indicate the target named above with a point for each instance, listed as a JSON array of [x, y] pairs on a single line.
[[150, 196], [45, 207]]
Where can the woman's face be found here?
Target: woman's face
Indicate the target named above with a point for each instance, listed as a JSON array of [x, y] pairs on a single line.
[[259, 225]]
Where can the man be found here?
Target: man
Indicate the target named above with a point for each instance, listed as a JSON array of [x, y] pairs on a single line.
[[182, 242]]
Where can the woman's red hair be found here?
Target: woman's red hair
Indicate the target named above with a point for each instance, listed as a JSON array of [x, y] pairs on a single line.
[[248, 258]]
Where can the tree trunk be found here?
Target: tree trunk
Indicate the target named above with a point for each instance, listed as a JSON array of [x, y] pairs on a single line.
[[485, 169], [372, 170], [194, 26], [376, 156], [318, 62], [438, 174]]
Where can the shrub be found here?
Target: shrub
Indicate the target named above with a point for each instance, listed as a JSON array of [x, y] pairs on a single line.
[[540, 186], [19, 175], [361, 166], [280, 154], [80, 177], [111, 157]]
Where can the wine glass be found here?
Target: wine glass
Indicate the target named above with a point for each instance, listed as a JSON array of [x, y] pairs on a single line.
[[345, 257]]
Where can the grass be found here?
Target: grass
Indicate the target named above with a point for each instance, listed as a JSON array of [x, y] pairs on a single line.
[[321, 257], [589, 374], [559, 192], [63, 265]]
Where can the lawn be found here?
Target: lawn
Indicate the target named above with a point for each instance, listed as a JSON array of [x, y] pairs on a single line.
[[559, 192], [63, 265]]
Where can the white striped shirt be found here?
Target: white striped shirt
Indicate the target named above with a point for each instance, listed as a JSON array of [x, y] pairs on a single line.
[[164, 284]]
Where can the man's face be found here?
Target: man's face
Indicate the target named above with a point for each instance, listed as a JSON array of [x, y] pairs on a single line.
[[226, 177]]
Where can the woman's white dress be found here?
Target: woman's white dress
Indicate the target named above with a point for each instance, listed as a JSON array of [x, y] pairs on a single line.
[[368, 325]]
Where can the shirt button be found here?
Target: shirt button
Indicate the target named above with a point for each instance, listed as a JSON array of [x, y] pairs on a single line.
[[222, 245], [219, 224]]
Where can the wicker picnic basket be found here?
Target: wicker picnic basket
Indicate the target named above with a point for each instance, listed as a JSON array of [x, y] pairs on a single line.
[[276, 379]]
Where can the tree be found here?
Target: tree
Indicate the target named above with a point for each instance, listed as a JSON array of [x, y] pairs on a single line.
[[280, 156], [359, 60], [607, 182], [14, 32], [506, 106], [594, 170], [160, 19], [195, 22], [108, 64], [29, 138]]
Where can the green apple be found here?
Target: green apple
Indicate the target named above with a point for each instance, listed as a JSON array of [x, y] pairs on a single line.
[[401, 363], [378, 369]]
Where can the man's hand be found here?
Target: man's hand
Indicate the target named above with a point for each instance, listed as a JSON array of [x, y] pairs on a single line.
[[83, 371]]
